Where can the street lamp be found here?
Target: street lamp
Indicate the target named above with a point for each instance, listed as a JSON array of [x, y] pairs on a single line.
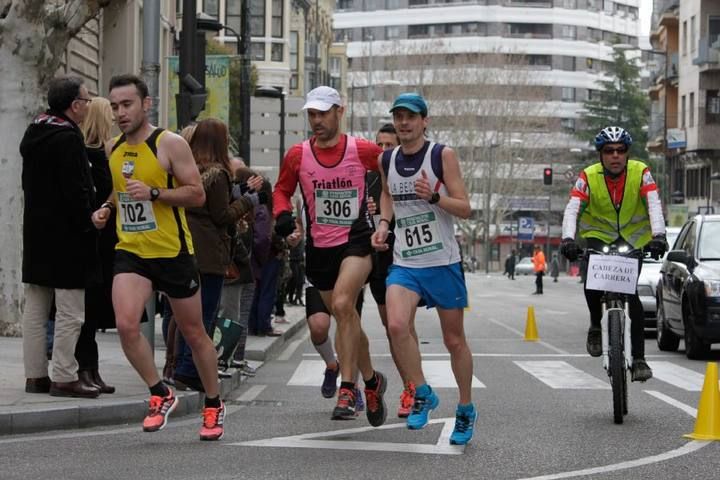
[[666, 56], [486, 230]]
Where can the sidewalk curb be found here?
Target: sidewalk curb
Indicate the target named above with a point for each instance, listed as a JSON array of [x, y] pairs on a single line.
[[129, 410]]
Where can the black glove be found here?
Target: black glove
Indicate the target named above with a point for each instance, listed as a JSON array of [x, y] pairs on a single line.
[[657, 246], [570, 249], [285, 224], [239, 189]]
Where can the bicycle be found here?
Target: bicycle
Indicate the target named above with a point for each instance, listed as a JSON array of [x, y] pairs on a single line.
[[615, 327]]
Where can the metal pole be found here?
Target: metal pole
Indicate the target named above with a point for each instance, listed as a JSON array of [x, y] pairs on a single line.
[[370, 88], [487, 212], [151, 54], [282, 128], [244, 51], [666, 167], [187, 61]]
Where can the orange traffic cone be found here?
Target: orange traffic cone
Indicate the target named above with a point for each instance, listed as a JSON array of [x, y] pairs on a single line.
[[531, 334], [707, 423]]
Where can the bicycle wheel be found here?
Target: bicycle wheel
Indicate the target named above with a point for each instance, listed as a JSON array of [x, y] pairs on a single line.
[[617, 365]]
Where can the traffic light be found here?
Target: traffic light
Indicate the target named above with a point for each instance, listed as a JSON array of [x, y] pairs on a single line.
[[547, 176]]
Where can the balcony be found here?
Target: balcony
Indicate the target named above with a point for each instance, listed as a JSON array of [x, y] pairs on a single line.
[[708, 56]]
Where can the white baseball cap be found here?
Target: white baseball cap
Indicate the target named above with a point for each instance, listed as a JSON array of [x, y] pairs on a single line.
[[322, 98]]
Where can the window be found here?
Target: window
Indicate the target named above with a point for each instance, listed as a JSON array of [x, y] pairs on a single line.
[[712, 107], [692, 33], [572, 4], [344, 4], [713, 29], [257, 50], [257, 19], [367, 34], [211, 8], [294, 82], [568, 124], [294, 39], [608, 6], [568, 63], [568, 31], [276, 52], [592, 4], [232, 15], [540, 60], [417, 31], [691, 112], [682, 112], [568, 94], [392, 4], [684, 38], [392, 32], [277, 19]]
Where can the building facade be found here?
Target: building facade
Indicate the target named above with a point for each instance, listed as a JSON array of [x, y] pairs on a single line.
[[505, 79]]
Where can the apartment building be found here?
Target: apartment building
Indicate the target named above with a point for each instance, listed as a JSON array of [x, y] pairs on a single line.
[[690, 31], [505, 79]]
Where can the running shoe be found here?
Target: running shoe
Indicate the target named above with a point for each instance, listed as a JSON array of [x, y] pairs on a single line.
[[345, 408], [640, 370], [212, 427], [407, 398], [359, 403], [594, 342], [376, 410], [329, 385], [464, 425], [160, 408], [422, 406]]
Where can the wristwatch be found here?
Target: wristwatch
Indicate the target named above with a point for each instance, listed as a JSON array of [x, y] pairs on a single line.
[[435, 198], [154, 194]]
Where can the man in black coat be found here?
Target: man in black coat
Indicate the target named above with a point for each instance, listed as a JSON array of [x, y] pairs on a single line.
[[59, 240]]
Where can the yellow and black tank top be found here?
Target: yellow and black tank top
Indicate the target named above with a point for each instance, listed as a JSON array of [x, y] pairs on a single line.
[[146, 229]]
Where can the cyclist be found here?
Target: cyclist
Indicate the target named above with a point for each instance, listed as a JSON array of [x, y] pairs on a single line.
[[615, 201]]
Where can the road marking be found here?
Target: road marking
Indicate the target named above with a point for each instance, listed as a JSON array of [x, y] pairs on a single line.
[[522, 334], [678, 376], [559, 374], [292, 346], [500, 355], [251, 394], [309, 440], [689, 447], [438, 373]]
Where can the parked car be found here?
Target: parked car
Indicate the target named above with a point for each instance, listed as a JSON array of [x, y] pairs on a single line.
[[524, 267], [689, 289], [648, 280]]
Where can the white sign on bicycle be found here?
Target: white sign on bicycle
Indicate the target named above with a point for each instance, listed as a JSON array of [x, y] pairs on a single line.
[[612, 273]]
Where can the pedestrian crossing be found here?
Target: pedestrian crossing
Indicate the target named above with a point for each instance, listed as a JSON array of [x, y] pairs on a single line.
[[556, 374]]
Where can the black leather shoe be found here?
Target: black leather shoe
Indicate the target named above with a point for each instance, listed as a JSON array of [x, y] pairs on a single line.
[[76, 389], [37, 385], [100, 383]]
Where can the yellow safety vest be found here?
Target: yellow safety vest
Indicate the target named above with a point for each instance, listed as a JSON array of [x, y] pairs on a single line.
[[146, 229], [601, 220]]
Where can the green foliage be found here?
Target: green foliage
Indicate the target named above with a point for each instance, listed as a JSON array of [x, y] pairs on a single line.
[[621, 102], [216, 48]]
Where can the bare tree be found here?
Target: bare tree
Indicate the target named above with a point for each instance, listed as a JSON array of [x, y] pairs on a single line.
[[34, 35]]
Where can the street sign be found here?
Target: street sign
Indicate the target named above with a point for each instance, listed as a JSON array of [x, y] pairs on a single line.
[[676, 138], [526, 228]]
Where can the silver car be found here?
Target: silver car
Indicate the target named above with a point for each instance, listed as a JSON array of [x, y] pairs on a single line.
[[525, 267], [648, 280]]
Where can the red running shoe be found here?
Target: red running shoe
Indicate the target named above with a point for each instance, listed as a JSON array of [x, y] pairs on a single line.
[[160, 408], [407, 398], [212, 427]]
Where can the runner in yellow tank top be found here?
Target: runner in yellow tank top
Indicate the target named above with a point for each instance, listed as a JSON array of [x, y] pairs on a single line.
[[147, 228], [154, 178]]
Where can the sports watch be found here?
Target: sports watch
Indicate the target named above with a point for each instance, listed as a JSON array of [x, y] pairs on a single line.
[[154, 194], [434, 198]]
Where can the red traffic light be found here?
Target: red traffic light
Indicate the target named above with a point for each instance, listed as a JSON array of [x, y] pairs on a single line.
[[547, 176]]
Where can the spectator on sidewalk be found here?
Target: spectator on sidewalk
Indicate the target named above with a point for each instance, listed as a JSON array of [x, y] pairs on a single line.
[[59, 241], [554, 267], [98, 298], [212, 227]]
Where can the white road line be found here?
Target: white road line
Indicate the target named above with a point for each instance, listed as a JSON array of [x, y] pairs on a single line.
[[292, 346], [251, 394], [689, 447], [438, 373], [678, 376], [507, 355], [522, 334], [559, 374]]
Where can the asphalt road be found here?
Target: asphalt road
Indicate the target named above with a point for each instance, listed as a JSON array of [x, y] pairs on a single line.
[[544, 412]]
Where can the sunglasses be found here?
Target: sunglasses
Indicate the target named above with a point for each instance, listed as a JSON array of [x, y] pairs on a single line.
[[81, 99], [610, 150]]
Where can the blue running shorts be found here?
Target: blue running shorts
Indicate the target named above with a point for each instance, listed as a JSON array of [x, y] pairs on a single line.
[[442, 287]]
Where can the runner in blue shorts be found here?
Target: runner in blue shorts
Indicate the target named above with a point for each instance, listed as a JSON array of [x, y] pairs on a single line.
[[423, 188]]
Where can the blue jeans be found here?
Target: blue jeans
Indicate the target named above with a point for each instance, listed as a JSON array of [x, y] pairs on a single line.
[[210, 292], [264, 298]]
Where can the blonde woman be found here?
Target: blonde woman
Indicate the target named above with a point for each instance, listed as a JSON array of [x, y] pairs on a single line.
[[97, 130]]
